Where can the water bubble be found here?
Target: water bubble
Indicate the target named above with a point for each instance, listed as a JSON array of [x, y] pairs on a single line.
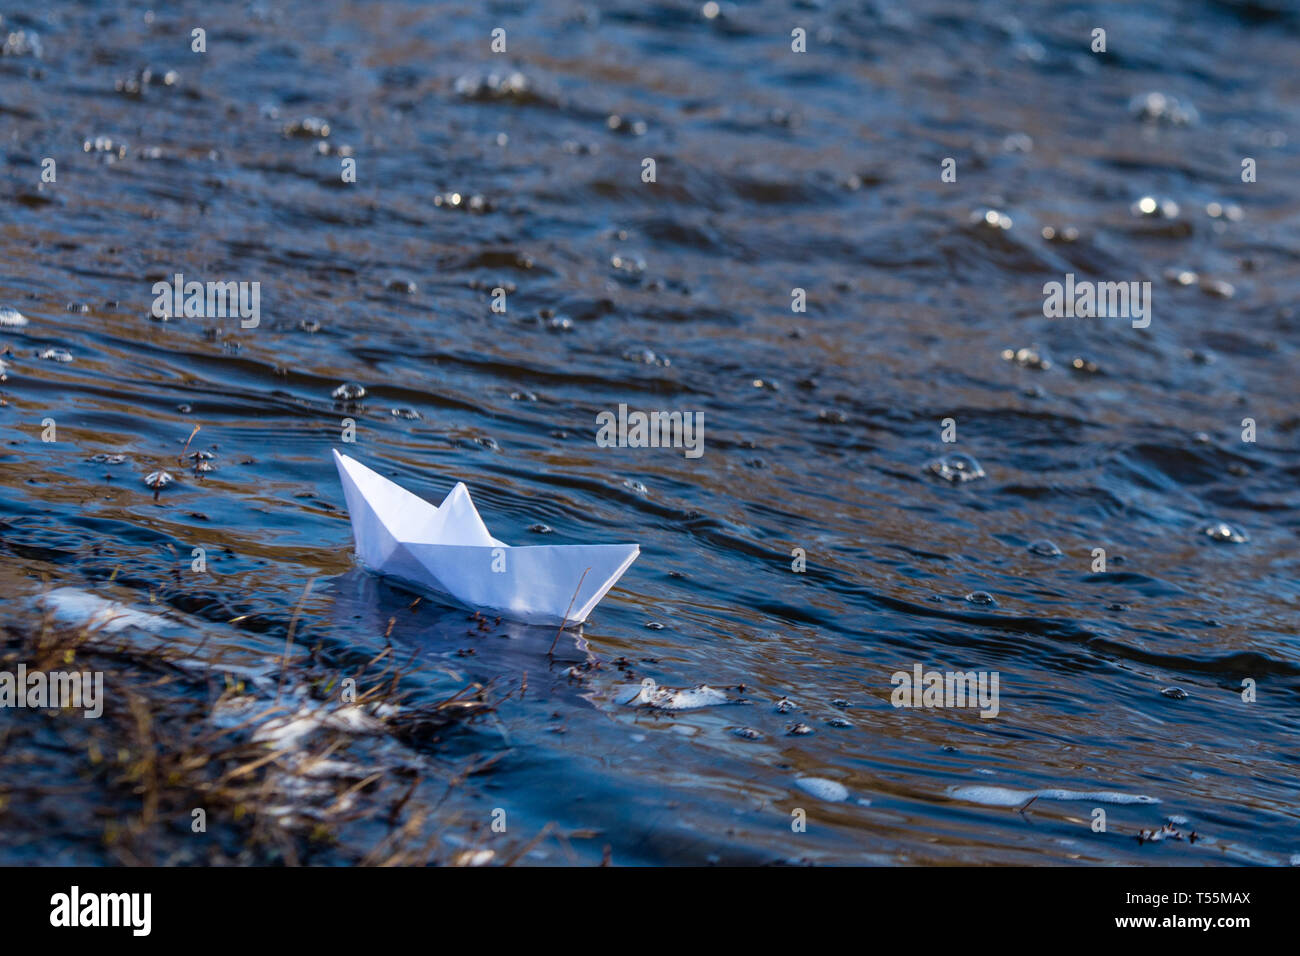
[[625, 125], [991, 219], [1149, 206], [348, 392], [11, 318], [654, 626], [410, 414], [1222, 532], [104, 144], [56, 355], [956, 468], [798, 730], [493, 86], [158, 479], [1031, 50], [463, 202], [1045, 548], [1156, 107], [1232, 212], [309, 127], [631, 265], [22, 43], [1018, 143], [1028, 358], [784, 705], [1175, 693], [108, 459], [838, 722], [644, 356], [1218, 288], [404, 286], [324, 148], [982, 598], [541, 528], [747, 733], [136, 83], [1065, 234], [631, 484], [782, 118]]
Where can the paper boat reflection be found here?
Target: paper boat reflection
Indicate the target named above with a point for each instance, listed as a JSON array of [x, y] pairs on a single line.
[[447, 552]]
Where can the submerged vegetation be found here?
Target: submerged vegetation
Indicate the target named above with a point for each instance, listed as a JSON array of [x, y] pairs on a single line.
[[200, 760]]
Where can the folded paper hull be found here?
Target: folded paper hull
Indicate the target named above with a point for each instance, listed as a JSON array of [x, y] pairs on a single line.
[[447, 552]]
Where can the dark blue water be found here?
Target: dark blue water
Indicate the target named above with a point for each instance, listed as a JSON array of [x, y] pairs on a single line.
[[775, 170]]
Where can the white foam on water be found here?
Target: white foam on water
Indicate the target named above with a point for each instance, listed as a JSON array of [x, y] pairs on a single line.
[[1007, 797], [823, 789], [666, 698], [75, 606], [291, 730]]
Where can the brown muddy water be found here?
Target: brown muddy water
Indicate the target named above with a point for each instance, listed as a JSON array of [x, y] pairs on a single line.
[[1119, 690]]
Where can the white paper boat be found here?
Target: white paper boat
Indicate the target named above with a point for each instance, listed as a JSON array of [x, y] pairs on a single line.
[[446, 551]]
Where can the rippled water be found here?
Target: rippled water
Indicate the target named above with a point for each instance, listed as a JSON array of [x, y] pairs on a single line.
[[775, 171]]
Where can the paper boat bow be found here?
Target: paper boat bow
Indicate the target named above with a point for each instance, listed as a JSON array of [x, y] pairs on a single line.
[[447, 551]]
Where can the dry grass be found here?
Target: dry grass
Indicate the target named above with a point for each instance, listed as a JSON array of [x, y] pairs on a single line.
[[297, 776]]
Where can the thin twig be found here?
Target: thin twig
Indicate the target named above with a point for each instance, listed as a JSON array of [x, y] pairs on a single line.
[[566, 613], [288, 638], [527, 847], [187, 442]]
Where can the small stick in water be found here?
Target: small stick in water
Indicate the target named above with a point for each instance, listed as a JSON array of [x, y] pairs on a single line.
[[566, 613], [288, 638], [187, 442]]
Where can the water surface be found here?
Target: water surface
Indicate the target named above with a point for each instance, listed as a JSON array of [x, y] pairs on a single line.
[[775, 171]]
